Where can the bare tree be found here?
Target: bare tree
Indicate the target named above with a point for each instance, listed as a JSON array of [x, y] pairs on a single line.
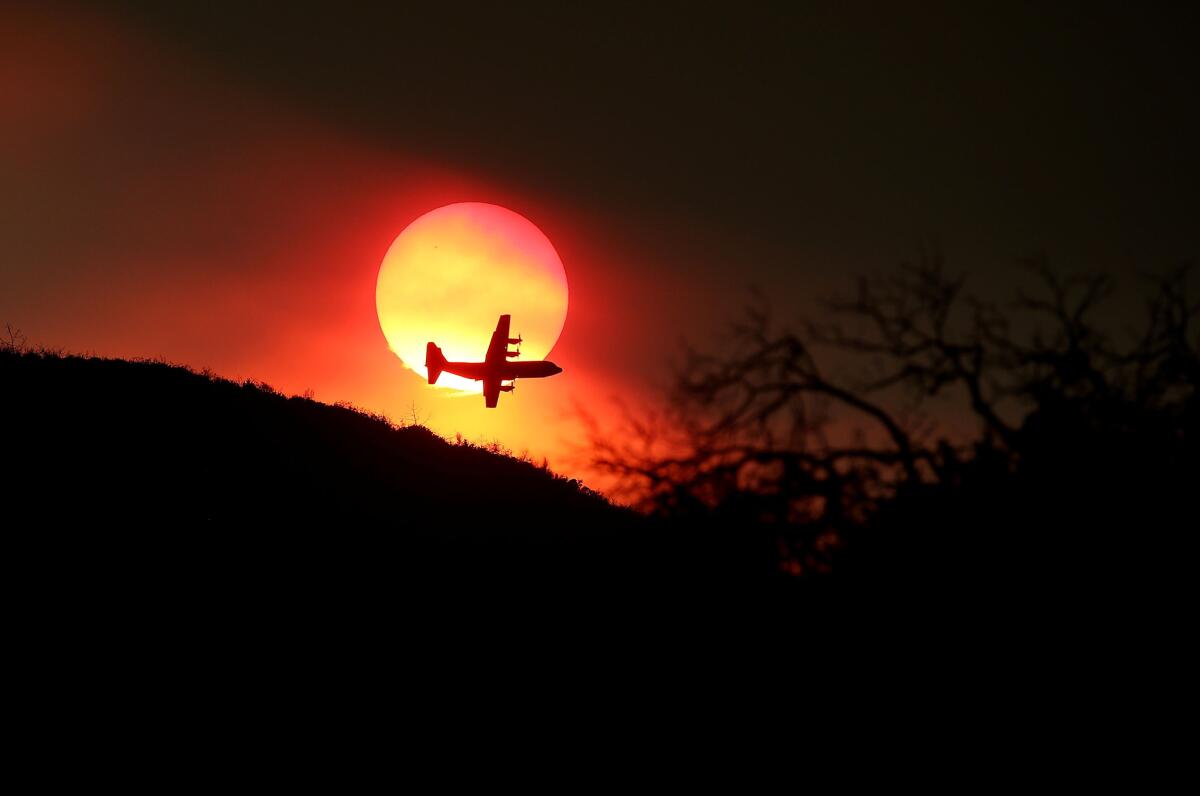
[[12, 340], [767, 434]]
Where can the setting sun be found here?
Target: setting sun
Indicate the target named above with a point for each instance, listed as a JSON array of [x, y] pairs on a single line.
[[452, 272]]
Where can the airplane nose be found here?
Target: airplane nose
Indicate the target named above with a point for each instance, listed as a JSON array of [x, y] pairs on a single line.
[[557, 370]]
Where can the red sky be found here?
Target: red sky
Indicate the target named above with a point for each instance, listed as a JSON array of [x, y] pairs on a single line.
[[153, 208], [217, 185]]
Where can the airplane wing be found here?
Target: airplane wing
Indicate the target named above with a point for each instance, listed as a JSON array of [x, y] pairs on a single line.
[[491, 391], [499, 345]]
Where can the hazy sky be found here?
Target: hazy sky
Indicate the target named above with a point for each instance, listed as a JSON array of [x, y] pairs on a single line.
[[217, 185]]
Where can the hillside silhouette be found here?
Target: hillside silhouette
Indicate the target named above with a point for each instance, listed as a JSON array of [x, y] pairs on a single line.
[[127, 441], [153, 471], [769, 472]]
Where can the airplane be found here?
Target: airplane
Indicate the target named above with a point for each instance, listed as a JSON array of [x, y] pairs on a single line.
[[495, 368]]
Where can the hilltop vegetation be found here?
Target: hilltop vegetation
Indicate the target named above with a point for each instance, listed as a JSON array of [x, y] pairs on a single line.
[[149, 468], [107, 439]]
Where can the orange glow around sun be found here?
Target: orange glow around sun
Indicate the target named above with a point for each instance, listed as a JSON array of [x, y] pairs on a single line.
[[454, 271]]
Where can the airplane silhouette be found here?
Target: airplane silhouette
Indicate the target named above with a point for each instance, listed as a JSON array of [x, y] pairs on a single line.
[[495, 368]]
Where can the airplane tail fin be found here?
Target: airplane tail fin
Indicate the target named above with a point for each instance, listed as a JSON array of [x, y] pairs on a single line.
[[434, 362]]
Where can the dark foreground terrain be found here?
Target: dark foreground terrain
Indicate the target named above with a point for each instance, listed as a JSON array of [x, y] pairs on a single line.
[[148, 477], [185, 547], [187, 550], [152, 481]]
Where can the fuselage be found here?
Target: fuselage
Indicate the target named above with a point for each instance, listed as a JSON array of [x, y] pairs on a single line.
[[502, 371]]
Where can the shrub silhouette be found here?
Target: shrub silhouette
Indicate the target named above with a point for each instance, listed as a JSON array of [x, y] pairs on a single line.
[[819, 448]]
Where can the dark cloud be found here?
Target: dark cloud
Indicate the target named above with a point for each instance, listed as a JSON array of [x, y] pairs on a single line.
[[833, 130]]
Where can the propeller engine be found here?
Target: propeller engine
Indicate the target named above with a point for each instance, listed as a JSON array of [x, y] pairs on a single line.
[[513, 341]]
